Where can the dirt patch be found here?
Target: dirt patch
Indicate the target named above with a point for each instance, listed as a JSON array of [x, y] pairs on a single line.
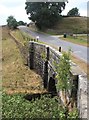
[[84, 66]]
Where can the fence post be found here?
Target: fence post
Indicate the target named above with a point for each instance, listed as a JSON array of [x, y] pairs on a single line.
[[74, 91], [31, 55], [59, 49], [45, 78], [47, 53]]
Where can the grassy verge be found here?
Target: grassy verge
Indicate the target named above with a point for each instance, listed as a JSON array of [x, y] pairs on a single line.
[[22, 38], [17, 78], [80, 40]]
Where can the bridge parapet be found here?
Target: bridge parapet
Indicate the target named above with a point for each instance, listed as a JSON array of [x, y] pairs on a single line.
[[42, 58]]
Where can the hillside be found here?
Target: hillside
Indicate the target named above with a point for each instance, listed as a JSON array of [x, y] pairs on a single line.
[[68, 25]]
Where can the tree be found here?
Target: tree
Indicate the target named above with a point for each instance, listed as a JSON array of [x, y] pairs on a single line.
[[44, 14], [11, 22], [21, 23], [73, 12]]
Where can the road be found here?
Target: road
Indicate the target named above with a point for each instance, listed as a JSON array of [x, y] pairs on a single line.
[[78, 50]]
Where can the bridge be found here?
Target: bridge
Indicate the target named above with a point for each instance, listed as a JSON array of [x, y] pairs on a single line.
[[41, 59]]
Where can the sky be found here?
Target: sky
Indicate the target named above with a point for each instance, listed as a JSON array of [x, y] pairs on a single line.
[[16, 8]]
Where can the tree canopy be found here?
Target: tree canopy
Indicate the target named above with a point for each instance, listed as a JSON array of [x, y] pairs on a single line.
[[11, 22], [44, 14], [73, 12], [21, 23]]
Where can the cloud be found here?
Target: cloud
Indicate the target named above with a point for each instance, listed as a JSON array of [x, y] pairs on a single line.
[[12, 3], [80, 4], [18, 11]]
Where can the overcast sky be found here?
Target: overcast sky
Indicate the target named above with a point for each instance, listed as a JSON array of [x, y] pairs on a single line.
[[17, 9]]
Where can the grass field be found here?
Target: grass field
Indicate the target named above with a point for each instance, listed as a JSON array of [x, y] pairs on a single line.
[[17, 78], [80, 40], [70, 25]]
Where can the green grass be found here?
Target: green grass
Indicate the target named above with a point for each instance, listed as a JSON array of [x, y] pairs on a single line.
[[22, 37], [81, 40]]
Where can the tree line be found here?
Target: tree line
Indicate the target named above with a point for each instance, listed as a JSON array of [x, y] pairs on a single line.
[[12, 22]]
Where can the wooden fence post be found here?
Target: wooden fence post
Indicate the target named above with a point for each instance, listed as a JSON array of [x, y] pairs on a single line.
[[31, 55], [59, 49], [45, 78], [74, 90]]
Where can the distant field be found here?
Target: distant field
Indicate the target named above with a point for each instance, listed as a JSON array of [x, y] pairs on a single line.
[[80, 40], [70, 25]]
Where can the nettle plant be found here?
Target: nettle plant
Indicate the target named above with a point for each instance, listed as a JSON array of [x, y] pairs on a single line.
[[63, 72], [64, 83]]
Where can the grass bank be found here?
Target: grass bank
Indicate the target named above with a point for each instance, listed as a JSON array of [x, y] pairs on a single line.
[[80, 40], [17, 78]]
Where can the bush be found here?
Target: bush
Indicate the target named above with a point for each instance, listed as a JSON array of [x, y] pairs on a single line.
[[11, 22], [15, 106]]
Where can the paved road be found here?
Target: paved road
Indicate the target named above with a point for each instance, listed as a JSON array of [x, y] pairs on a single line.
[[78, 51]]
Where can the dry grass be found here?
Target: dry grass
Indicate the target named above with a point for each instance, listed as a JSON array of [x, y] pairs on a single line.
[[17, 78], [70, 25], [21, 37], [84, 66]]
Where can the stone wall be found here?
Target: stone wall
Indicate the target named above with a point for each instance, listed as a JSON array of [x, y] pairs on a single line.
[[42, 57]]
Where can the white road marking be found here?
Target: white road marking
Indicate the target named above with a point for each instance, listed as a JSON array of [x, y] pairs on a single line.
[[77, 52]]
